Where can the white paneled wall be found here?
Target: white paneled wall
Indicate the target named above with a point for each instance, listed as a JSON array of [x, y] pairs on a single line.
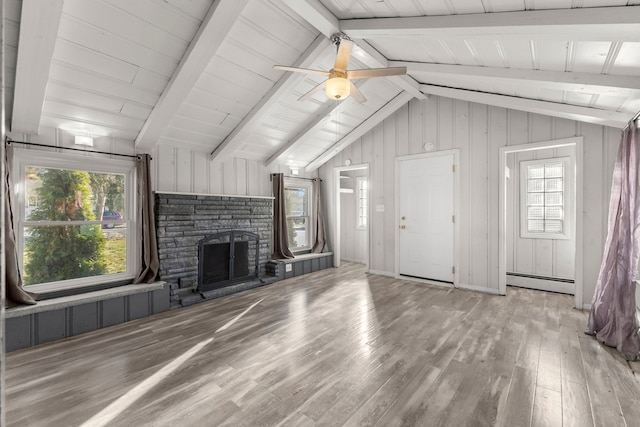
[[478, 131], [183, 170]]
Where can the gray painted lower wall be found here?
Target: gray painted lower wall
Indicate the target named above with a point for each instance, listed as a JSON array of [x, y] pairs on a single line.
[[303, 264], [51, 320]]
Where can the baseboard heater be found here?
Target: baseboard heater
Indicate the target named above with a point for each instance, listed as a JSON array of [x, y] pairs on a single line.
[[532, 276]]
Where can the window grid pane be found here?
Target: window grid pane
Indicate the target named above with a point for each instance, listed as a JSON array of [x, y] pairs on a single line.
[[553, 212], [535, 199], [362, 201], [545, 198], [536, 185], [553, 170], [553, 199], [553, 184]]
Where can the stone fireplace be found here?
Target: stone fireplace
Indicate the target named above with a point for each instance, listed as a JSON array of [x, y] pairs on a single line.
[[183, 221]]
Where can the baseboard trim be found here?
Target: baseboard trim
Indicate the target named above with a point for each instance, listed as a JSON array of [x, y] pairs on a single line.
[[476, 288], [382, 273], [355, 261], [426, 281]]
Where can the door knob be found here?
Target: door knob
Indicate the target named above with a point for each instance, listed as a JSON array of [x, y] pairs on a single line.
[[403, 226], [403, 217]]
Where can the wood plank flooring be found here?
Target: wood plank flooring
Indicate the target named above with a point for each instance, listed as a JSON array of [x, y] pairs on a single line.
[[336, 347]]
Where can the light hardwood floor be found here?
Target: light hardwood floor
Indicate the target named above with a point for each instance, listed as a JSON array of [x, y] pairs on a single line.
[[336, 347]]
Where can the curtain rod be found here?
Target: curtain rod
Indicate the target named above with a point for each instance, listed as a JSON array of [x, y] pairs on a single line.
[[631, 121], [297, 177], [133, 156]]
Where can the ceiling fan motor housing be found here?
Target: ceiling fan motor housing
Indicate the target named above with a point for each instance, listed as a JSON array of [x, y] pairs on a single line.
[[338, 87]]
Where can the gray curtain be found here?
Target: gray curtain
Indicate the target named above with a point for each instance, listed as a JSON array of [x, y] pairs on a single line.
[[145, 217], [14, 293], [613, 310], [280, 232], [317, 222]]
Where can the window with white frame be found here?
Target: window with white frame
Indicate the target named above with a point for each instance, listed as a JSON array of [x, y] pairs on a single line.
[[74, 222], [546, 195], [362, 185], [298, 193]]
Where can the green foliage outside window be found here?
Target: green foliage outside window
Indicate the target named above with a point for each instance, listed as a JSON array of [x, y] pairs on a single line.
[[60, 252]]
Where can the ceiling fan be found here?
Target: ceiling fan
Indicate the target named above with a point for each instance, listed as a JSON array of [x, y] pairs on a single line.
[[339, 85]]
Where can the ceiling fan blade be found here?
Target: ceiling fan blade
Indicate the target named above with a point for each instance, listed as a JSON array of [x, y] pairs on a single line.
[[344, 54], [301, 70], [357, 95], [312, 92], [376, 72]]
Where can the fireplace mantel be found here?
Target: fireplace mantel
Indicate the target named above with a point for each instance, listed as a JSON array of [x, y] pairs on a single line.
[[234, 196]]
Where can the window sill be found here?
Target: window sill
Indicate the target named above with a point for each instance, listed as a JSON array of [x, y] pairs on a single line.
[[74, 300], [303, 256]]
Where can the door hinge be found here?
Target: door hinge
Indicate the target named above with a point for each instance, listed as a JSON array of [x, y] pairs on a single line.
[[453, 168], [453, 270], [453, 219]]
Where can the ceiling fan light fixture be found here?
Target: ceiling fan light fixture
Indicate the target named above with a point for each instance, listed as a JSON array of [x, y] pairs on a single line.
[[338, 88]]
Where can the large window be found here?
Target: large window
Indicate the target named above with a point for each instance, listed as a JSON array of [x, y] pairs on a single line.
[[297, 193], [74, 220], [546, 194]]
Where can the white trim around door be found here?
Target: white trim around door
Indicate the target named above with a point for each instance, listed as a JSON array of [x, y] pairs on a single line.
[[336, 199], [456, 212], [502, 243]]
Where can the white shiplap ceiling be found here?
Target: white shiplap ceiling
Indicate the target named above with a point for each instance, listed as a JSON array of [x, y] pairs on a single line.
[[199, 73]]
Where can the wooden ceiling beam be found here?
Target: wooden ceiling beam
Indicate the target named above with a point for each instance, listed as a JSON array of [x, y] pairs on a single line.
[[212, 32], [601, 84], [38, 33], [312, 126], [374, 59], [565, 111], [318, 48], [372, 121], [579, 24], [324, 21], [317, 15]]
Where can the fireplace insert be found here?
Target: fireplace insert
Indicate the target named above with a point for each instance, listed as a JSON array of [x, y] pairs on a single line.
[[226, 258]]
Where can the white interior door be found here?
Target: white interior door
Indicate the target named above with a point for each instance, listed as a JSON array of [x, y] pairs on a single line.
[[426, 202]]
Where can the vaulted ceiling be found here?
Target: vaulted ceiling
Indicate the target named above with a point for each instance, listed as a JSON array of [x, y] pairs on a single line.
[[199, 73]]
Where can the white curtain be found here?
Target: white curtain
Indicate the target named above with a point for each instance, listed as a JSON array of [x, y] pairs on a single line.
[[613, 318]]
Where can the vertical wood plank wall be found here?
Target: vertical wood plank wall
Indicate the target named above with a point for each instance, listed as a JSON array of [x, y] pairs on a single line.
[[182, 170], [478, 131]]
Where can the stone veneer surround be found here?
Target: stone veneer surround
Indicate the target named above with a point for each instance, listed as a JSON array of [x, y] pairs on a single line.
[[182, 220]]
